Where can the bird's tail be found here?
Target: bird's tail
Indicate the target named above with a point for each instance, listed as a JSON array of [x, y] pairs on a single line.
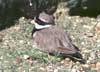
[[78, 57], [75, 57]]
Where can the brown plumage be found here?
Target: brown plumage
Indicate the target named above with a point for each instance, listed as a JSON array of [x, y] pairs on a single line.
[[54, 40]]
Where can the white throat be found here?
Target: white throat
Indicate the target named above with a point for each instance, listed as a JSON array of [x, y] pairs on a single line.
[[37, 26]]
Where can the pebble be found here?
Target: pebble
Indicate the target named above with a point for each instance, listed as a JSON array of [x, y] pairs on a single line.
[[90, 34], [98, 65], [25, 56], [87, 27], [75, 70], [86, 51], [16, 28], [21, 41], [49, 68], [98, 40], [67, 59], [98, 26], [85, 66], [1, 57], [93, 66], [41, 68], [93, 54], [56, 70]]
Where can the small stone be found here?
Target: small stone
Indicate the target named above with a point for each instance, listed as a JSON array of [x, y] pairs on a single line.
[[98, 26], [87, 27], [85, 7], [77, 20], [22, 18], [49, 69], [83, 71], [1, 57], [93, 66], [32, 22], [85, 66], [16, 28], [77, 63], [56, 70], [21, 41], [98, 65], [98, 41], [62, 62], [67, 59], [86, 51], [93, 54], [25, 56], [75, 70], [89, 34], [90, 58], [88, 62], [83, 43], [41, 68]]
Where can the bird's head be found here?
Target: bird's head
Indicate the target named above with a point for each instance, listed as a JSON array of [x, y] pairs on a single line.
[[43, 20]]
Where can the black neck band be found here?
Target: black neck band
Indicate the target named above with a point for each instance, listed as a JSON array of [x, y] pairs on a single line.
[[41, 22], [34, 30]]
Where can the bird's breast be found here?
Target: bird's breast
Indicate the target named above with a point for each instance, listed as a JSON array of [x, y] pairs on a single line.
[[34, 34]]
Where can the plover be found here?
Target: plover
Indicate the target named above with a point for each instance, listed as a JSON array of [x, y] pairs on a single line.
[[53, 39]]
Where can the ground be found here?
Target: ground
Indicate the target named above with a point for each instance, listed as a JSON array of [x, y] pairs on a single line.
[[19, 54]]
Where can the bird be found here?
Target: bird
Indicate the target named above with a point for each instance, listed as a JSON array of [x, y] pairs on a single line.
[[53, 39]]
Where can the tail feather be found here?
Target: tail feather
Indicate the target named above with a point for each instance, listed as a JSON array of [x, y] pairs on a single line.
[[78, 57], [76, 47], [75, 57]]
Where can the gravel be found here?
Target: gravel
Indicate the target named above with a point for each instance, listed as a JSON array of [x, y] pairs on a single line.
[[19, 54]]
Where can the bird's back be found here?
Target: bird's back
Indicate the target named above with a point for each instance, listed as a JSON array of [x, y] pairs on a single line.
[[54, 39]]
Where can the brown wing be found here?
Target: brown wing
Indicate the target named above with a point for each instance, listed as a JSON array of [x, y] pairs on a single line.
[[54, 39], [66, 42]]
